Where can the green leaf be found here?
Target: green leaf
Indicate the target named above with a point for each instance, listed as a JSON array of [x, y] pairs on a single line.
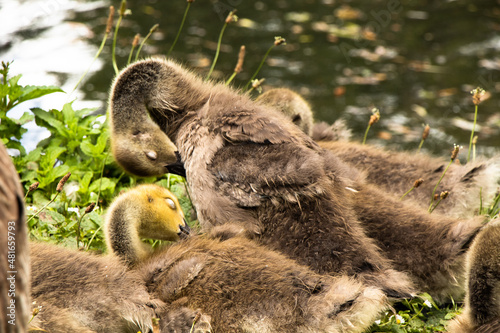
[[89, 149], [47, 120], [55, 216], [16, 145], [68, 112], [105, 184], [32, 92], [85, 180], [25, 118]]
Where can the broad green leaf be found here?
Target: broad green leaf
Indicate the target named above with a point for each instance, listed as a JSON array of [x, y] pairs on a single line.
[[32, 92], [104, 183], [25, 118], [68, 112], [55, 216], [16, 145], [33, 155], [85, 180], [44, 118], [88, 148]]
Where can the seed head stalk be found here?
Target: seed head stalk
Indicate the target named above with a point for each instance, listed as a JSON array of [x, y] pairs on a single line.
[[454, 154], [123, 10], [476, 99], [277, 41], [135, 42], [417, 183], [239, 65], [58, 190], [425, 134], [180, 27], [374, 118], [231, 17], [109, 25], [153, 28]]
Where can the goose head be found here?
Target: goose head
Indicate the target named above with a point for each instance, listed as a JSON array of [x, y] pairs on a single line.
[[146, 211], [291, 105]]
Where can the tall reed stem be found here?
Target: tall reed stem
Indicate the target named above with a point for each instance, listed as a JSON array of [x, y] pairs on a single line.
[[180, 28], [123, 9], [219, 42], [153, 28], [109, 25]]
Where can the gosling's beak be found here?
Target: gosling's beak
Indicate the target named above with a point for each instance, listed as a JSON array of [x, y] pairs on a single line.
[[184, 230]]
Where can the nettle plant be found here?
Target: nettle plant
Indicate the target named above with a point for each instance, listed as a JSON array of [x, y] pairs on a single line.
[[78, 145]]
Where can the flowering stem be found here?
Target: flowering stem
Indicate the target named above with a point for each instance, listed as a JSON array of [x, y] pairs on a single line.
[[366, 134], [431, 209], [91, 239], [231, 78], [41, 209], [78, 231], [153, 28], [472, 134], [93, 60], [260, 66], [420, 145], [180, 29], [408, 192], [113, 49], [216, 52], [435, 187]]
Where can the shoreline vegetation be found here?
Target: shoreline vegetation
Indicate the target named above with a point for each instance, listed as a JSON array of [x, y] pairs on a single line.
[[70, 177]]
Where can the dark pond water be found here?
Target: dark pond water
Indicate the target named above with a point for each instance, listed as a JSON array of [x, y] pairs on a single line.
[[416, 61]]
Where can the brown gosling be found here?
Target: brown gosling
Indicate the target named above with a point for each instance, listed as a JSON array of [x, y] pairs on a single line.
[[244, 287], [248, 164], [139, 135], [14, 250], [482, 302], [394, 171], [81, 292], [430, 248], [152, 212]]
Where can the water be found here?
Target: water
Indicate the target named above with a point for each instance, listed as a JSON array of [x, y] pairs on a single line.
[[414, 60]]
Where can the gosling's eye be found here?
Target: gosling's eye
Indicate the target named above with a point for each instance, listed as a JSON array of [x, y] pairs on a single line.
[[171, 203]]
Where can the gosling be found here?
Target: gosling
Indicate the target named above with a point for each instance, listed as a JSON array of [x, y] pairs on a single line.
[[482, 302], [248, 164], [14, 250], [396, 172], [242, 286]]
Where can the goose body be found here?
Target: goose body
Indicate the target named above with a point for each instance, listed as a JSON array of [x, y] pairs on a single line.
[[14, 250], [482, 302], [395, 172], [81, 292], [242, 286], [431, 248], [247, 164]]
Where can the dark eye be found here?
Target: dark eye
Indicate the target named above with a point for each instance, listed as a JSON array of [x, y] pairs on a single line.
[[171, 203], [296, 119]]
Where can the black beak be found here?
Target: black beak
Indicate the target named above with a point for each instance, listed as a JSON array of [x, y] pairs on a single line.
[[177, 167], [184, 230]]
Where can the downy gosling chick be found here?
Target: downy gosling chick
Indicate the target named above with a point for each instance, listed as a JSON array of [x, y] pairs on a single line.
[[482, 302], [431, 248], [149, 212], [14, 250], [395, 172], [242, 286], [80, 292], [248, 164]]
